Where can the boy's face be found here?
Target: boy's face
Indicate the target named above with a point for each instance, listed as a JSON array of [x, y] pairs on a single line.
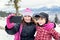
[[41, 21]]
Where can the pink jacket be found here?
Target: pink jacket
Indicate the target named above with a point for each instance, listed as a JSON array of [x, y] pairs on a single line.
[[47, 32]]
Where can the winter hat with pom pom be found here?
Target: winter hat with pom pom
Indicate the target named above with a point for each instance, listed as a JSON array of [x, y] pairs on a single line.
[[28, 12]]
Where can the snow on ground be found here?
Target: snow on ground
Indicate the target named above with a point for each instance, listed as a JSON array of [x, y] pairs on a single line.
[[2, 22], [5, 36], [57, 28]]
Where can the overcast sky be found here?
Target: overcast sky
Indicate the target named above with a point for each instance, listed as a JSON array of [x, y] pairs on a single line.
[[30, 4]]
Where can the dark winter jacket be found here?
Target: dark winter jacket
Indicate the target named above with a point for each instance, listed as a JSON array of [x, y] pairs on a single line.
[[28, 31]]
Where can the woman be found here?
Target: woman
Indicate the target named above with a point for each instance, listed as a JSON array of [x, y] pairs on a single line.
[[24, 30]]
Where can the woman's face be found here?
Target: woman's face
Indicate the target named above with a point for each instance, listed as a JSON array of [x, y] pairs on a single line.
[[41, 21], [27, 19]]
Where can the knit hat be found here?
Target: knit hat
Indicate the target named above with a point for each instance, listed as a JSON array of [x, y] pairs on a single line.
[[43, 15], [27, 11]]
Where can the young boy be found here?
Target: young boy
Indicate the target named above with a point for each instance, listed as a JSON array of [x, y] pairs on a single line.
[[45, 29]]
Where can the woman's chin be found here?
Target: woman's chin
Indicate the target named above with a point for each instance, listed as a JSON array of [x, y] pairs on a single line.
[[27, 21]]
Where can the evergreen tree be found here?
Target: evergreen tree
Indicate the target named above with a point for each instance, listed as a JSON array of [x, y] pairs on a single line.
[[56, 18]]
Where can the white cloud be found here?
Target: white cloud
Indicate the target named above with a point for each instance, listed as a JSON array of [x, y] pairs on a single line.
[[2, 4], [39, 3]]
